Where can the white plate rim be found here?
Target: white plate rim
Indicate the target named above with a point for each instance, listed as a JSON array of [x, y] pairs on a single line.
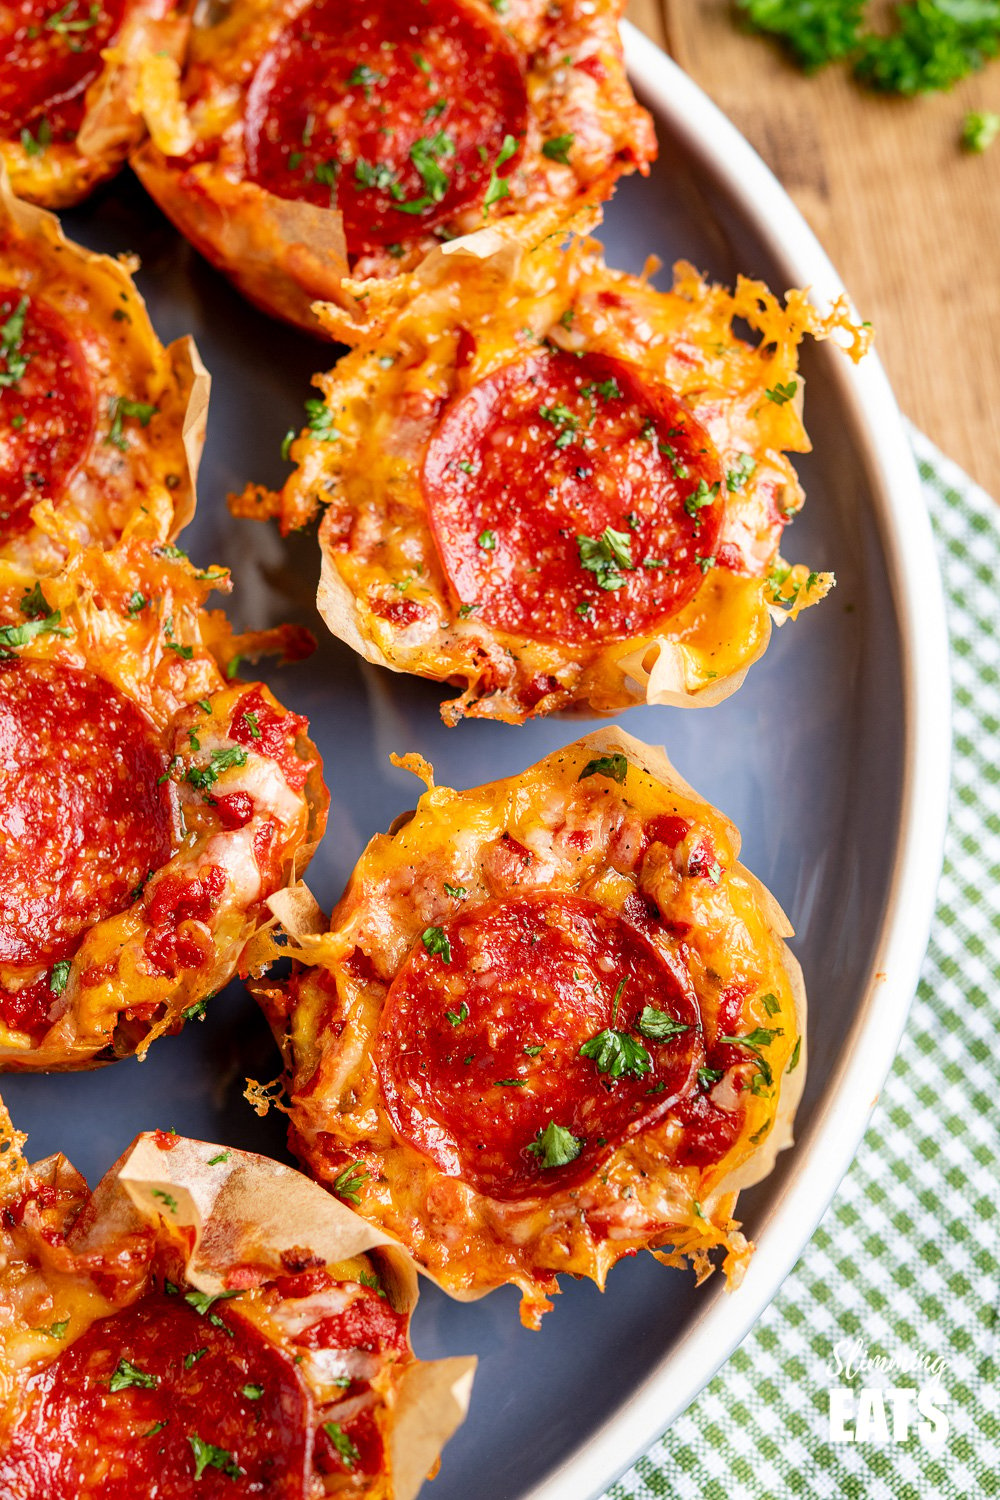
[[842, 1116]]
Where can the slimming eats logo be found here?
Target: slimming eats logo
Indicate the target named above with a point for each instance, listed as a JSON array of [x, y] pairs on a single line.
[[877, 1407]]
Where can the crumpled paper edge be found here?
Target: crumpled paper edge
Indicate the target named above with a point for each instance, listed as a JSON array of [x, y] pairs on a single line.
[[248, 1210]]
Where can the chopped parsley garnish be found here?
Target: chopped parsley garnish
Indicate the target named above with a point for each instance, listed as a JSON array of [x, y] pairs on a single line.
[[252, 1392], [366, 78], [169, 1201], [771, 1004], [193, 1357], [319, 420], [555, 1146], [565, 421], [433, 112], [201, 777], [658, 1026], [699, 497], [708, 1077], [11, 334], [456, 1017], [980, 129], [207, 1456], [347, 1184], [135, 604], [156, 1427], [753, 1041], [184, 652], [249, 718], [37, 144], [34, 604], [608, 390], [12, 636], [120, 408], [195, 1012], [705, 563], [498, 187], [796, 1053], [487, 540], [62, 21], [346, 1450], [557, 149], [55, 1330], [533, 1051], [203, 1302], [425, 155], [615, 1052], [614, 767], [509, 1083], [458, 891], [127, 1374], [59, 976], [737, 476], [220, 1156], [435, 941], [605, 555], [780, 393]]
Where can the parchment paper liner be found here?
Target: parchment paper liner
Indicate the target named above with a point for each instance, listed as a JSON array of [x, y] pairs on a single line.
[[250, 1211]]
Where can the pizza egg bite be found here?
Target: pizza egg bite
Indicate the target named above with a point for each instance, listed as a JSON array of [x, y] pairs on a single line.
[[554, 485], [314, 138], [206, 1316], [101, 427], [71, 75], [149, 803], [553, 1022]]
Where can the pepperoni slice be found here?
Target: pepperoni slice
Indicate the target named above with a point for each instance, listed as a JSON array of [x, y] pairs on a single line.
[[479, 1042], [83, 819], [190, 1401], [572, 499], [46, 405], [50, 53], [396, 114]]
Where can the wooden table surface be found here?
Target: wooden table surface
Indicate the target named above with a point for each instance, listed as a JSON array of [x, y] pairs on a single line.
[[910, 220]]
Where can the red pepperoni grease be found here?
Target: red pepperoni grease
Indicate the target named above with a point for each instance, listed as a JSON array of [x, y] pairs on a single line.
[[83, 819], [46, 405], [557, 462], [50, 53], [181, 1397], [542, 972], [392, 112]]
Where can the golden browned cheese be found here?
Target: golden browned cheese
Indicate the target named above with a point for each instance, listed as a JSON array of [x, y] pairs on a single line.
[[606, 829], [95, 130], [151, 801], [191, 1249], [429, 342], [123, 452], [577, 129]]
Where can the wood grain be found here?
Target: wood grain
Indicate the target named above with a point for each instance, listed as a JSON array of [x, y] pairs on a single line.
[[911, 221]]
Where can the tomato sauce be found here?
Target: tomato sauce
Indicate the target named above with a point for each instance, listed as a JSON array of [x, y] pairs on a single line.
[[393, 113], [573, 499], [257, 726], [47, 413], [479, 1042]]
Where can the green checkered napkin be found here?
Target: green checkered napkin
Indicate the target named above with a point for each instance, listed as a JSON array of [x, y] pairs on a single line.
[[907, 1256]]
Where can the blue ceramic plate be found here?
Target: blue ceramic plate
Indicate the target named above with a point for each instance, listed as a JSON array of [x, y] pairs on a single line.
[[832, 759]]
